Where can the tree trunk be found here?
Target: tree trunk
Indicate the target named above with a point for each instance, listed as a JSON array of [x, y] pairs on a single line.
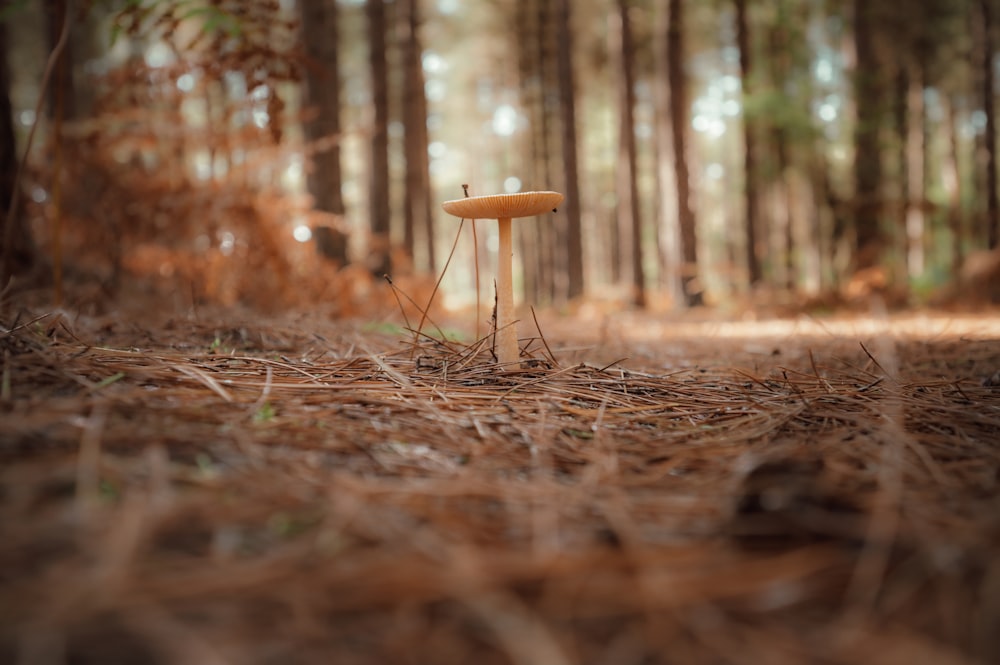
[[16, 248], [867, 164], [322, 97], [61, 98], [992, 221], [378, 189], [629, 212], [418, 219], [60, 109], [899, 206], [523, 39], [750, 176], [668, 251], [542, 152], [814, 248], [539, 99], [915, 161], [785, 211], [779, 45], [952, 178], [692, 291], [567, 106]]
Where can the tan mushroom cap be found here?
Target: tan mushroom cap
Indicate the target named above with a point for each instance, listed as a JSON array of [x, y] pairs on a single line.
[[503, 206]]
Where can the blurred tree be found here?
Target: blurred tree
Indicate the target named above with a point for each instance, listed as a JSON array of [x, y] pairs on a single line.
[[679, 113], [543, 145], [61, 107], [61, 99], [988, 158], [781, 50], [952, 182], [902, 196], [668, 251], [910, 121], [946, 45], [815, 242], [928, 39], [750, 158], [522, 37], [322, 125], [567, 107], [418, 218], [378, 189], [627, 175], [868, 93], [16, 247]]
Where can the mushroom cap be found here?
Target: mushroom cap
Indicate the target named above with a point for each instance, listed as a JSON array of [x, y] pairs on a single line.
[[503, 206]]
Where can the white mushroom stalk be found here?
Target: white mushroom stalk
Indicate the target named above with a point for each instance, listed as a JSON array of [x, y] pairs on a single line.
[[504, 208]]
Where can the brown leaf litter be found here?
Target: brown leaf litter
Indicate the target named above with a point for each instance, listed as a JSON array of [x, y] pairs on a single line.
[[300, 491]]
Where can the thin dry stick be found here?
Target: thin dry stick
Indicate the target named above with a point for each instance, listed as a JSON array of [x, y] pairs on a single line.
[[875, 362], [437, 284], [540, 379], [204, 378], [50, 64], [475, 259], [441, 342], [18, 326], [541, 336], [395, 292], [266, 391]]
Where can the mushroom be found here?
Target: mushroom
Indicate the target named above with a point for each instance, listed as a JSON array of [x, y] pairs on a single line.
[[503, 208]]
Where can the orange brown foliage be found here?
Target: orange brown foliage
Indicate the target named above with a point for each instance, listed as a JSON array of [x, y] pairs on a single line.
[[177, 192]]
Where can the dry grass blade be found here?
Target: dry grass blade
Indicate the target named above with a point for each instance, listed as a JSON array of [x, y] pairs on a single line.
[[200, 375]]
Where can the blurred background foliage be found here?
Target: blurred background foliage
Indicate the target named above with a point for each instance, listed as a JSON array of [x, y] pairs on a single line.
[[289, 153]]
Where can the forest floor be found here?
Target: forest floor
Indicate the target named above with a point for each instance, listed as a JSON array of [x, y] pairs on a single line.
[[235, 489]]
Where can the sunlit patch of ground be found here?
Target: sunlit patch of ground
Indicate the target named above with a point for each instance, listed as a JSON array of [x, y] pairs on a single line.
[[925, 326]]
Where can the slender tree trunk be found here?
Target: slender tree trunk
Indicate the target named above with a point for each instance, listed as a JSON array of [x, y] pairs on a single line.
[[629, 211], [378, 190], [780, 45], [992, 221], [525, 43], [16, 249], [668, 251], [952, 178], [976, 231], [551, 258], [814, 248], [750, 176], [613, 237], [322, 98], [61, 98], [567, 105], [418, 217], [61, 109], [785, 210], [679, 127], [915, 161], [867, 155], [900, 206]]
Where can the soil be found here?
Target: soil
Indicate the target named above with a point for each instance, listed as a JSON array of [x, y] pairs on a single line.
[[225, 488]]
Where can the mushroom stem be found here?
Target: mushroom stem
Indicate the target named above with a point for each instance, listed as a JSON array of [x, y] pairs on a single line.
[[508, 353], [504, 208]]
